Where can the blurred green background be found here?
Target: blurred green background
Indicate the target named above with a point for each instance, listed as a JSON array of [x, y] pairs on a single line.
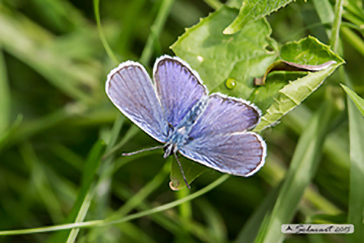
[[53, 109]]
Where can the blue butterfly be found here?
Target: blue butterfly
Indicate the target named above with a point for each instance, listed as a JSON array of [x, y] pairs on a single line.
[[176, 110]]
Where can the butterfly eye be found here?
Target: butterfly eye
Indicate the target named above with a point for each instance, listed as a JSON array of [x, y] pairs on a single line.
[[167, 150]]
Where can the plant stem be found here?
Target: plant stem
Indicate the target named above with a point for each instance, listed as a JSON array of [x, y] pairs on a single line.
[[214, 4], [100, 223], [156, 30], [101, 32], [334, 40], [353, 39]]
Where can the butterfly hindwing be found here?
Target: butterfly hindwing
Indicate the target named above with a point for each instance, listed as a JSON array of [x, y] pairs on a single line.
[[238, 154], [130, 88], [219, 138]]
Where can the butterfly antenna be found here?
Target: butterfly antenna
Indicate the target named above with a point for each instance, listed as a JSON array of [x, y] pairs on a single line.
[[183, 174], [142, 150]]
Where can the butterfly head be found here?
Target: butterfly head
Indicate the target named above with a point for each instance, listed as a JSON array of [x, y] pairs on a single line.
[[169, 149]]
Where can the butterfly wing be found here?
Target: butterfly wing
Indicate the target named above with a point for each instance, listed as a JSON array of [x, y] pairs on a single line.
[[219, 138], [178, 87], [130, 88]]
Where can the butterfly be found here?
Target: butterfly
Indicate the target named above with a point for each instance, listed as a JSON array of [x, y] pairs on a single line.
[[176, 109]]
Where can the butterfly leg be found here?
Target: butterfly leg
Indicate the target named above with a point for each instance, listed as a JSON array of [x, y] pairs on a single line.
[[183, 174]]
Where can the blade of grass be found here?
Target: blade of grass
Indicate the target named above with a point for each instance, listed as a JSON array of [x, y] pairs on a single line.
[[104, 176], [125, 193], [29, 43], [133, 130], [4, 95], [103, 187], [60, 14], [8, 134], [146, 55], [356, 134], [26, 130], [142, 194], [170, 221], [86, 191], [324, 12], [129, 20], [156, 30], [41, 182], [251, 228], [147, 51], [335, 148], [353, 39], [273, 173], [213, 218], [356, 196], [101, 223], [358, 101], [303, 167], [67, 155], [133, 233]]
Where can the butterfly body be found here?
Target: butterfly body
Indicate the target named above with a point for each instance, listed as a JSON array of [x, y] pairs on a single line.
[[176, 110], [179, 136]]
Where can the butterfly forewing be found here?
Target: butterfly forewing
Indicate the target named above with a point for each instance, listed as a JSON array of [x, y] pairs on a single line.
[[178, 88], [219, 138], [130, 88]]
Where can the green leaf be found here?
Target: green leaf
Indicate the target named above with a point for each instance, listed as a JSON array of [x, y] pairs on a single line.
[[217, 57], [225, 63], [358, 101], [264, 96], [303, 167], [229, 64], [307, 51], [253, 10]]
